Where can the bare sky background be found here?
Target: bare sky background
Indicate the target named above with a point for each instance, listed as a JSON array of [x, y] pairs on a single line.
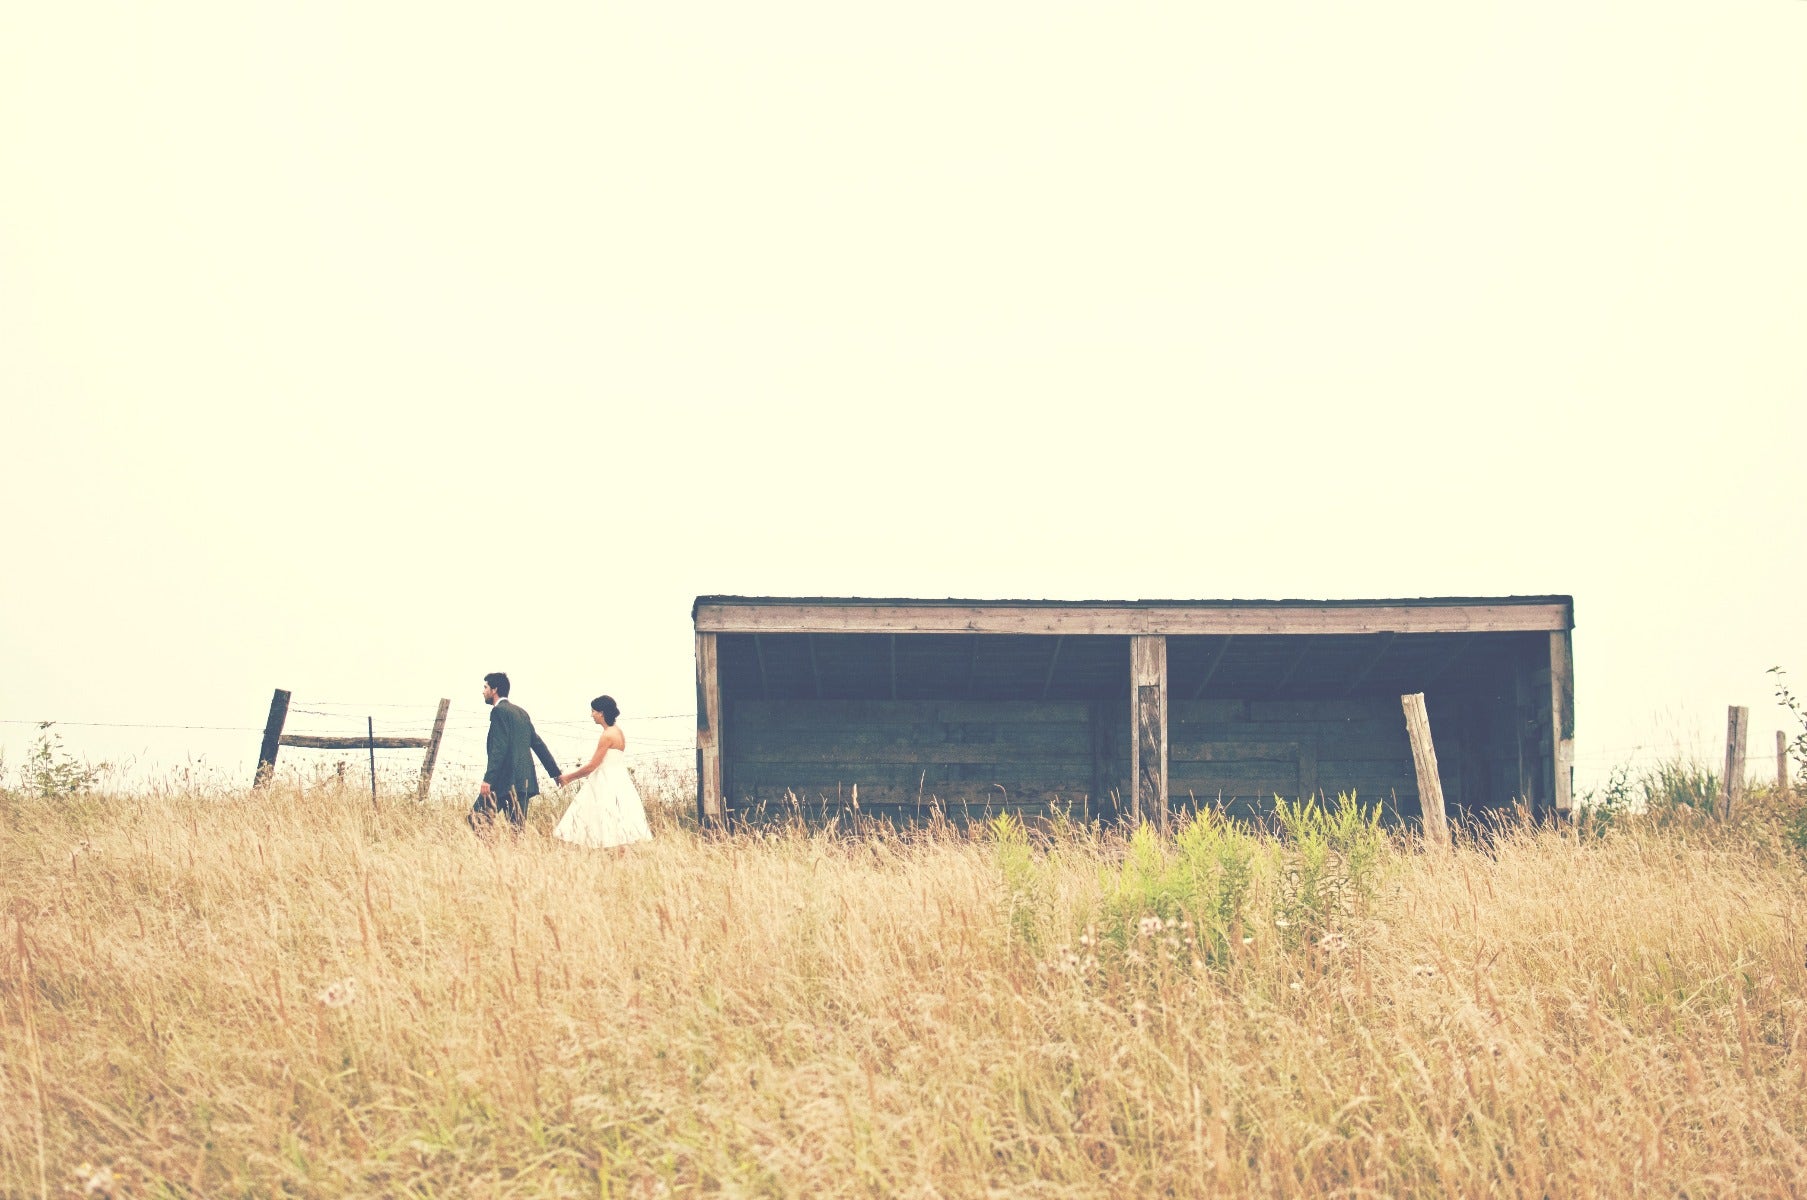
[[361, 349]]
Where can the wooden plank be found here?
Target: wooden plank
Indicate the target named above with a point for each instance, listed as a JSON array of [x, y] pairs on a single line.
[[1737, 730], [1382, 644], [1186, 712], [266, 753], [901, 799], [885, 713], [765, 688], [1424, 758], [1230, 751], [1282, 777], [709, 784], [1211, 668], [1320, 710], [1562, 722], [301, 742], [1053, 660], [1132, 619], [872, 742], [746, 756], [1148, 721], [432, 755]]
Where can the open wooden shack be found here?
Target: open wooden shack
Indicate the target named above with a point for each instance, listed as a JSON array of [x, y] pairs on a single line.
[[1126, 709]]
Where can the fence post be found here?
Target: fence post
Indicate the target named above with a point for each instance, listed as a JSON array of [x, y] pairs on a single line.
[[370, 723], [1424, 758], [1737, 726], [426, 767], [1781, 762], [266, 753]]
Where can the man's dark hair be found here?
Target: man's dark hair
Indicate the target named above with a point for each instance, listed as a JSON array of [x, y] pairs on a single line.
[[497, 680]]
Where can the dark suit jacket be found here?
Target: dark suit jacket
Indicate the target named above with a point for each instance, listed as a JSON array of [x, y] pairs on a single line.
[[513, 745]]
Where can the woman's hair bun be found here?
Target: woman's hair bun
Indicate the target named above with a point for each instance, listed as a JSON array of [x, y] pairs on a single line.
[[607, 707]]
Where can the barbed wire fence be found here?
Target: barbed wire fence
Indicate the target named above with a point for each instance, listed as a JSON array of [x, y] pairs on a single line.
[[661, 744]]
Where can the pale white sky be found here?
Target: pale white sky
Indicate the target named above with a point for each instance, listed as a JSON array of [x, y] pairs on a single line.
[[361, 349]]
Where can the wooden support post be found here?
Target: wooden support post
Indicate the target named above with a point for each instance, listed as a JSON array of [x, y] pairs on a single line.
[[266, 753], [1781, 762], [1562, 722], [710, 809], [1424, 759], [1737, 727], [765, 689], [1148, 726], [432, 756]]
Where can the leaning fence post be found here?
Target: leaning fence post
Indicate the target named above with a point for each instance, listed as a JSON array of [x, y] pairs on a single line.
[[1781, 762], [1424, 758], [266, 753], [1737, 725], [426, 767]]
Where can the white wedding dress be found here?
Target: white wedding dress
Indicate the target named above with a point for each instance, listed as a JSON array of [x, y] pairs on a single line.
[[607, 809]]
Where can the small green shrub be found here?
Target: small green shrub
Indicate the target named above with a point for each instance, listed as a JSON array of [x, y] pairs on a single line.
[[52, 773], [1022, 877], [1333, 857]]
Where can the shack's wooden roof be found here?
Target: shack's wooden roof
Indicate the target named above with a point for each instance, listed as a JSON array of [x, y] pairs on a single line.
[[852, 614]]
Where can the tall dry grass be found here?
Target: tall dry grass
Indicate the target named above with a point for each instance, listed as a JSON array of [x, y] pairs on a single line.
[[288, 993]]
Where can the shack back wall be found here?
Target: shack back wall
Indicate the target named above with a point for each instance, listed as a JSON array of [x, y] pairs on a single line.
[[1075, 753]]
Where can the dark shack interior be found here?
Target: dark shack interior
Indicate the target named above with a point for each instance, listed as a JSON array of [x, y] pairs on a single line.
[[970, 723]]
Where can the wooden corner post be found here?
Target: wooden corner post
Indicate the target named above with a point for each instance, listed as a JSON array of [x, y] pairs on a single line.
[[1148, 725], [1424, 759], [426, 765], [1562, 721], [709, 805], [266, 753], [1737, 729]]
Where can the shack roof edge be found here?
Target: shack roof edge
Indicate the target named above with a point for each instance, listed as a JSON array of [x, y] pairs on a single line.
[[1566, 602]]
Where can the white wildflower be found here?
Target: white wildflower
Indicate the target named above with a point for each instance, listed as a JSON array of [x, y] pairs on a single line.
[[340, 994]]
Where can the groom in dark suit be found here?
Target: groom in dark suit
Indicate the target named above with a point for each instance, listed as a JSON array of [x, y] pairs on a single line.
[[509, 780]]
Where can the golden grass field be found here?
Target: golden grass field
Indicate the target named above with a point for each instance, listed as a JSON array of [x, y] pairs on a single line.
[[290, 993]]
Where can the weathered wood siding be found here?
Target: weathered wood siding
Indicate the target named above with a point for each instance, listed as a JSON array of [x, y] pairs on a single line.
[[991, 754]]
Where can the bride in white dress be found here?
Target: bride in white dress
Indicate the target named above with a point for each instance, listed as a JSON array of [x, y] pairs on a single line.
[[607, 809]]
